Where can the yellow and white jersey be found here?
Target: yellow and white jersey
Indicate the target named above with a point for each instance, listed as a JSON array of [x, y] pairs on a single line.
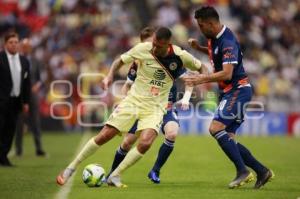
[[155, 75]]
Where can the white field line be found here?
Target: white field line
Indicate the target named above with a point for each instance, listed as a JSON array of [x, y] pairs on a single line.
[[66, 189]]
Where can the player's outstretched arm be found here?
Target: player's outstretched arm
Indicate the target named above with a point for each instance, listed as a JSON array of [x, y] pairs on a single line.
[[225, 74], [116, 65], [195, 45], [203, 70], [194, 64], [125, 88], [185, 101]]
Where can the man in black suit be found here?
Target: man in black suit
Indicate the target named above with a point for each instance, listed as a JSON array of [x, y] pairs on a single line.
[[14, 92]]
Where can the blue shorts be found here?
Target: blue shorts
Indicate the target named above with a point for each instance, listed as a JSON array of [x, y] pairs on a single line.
[[232, 108], [168, 117]]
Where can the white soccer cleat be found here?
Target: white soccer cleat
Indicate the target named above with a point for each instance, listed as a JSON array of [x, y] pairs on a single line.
[[115, 181], [64, 176]]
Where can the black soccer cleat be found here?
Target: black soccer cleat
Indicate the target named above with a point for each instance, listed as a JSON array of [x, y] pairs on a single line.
[[41, 153], [154, 176], [241, 179], [4, 162], [264, 178]]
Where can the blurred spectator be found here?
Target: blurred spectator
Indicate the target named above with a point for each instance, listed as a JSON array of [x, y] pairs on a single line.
[[32, 118]]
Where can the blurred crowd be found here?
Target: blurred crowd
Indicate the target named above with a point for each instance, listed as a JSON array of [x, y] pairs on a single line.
[[80, 38], [269, 33]]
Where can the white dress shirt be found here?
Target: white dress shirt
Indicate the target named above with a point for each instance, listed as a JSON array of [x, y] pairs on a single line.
[[15, 70]]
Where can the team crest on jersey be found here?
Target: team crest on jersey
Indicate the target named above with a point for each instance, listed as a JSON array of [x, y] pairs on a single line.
[[159, 74], [132, 71], [216, 50], [173, 66]]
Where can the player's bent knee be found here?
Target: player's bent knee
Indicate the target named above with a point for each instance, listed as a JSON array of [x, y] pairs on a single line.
[[212, 129], [231, 135], [171, 135], [216, 127], [144, 146], [126, 145], [106, 134], [146, 139]]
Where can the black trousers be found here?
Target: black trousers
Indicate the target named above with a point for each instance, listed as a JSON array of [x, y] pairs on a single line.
[[33, 122], [9, 111]]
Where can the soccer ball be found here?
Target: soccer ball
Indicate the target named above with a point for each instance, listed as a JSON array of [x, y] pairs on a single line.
[[93, 175]]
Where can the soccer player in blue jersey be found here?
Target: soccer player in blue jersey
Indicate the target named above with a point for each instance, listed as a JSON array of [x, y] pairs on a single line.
[[170, 125], [235, 92]]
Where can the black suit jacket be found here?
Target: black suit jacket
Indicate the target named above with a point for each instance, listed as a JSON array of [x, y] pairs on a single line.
[[35, 70], [6, 82]]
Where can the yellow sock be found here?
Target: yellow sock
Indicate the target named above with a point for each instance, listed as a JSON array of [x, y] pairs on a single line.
[[89, 148], [131, 158]]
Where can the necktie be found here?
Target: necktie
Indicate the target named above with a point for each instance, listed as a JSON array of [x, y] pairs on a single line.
[[16, 76]]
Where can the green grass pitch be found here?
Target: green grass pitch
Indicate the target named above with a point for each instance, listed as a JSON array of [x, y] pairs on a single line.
[[197, 168]]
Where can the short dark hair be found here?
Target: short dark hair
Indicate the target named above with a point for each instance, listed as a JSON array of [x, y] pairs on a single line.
[[9, 35], [207, 12], [163, 33], [146, 33]]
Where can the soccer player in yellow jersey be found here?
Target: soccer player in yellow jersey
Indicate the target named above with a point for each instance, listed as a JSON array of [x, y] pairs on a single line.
[[159, 64], [170, 124]]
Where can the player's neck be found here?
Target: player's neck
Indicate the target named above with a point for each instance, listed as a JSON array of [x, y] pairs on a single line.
[[218, 29], [168, 51]]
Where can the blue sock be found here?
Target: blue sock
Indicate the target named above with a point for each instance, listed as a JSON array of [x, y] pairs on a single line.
[[250, 161], [163, 154], [119, 157], [230, 148]]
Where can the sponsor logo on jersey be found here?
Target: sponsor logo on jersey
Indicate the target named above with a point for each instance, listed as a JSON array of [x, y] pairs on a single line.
[[149, 63], [228, 55], [227, 49], [157, 83], [159, 74]]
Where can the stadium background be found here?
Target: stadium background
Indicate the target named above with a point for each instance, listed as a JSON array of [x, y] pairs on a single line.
[[78, 37]]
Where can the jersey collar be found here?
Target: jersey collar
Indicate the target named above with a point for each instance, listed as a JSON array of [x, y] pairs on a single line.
[[221, 32]]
